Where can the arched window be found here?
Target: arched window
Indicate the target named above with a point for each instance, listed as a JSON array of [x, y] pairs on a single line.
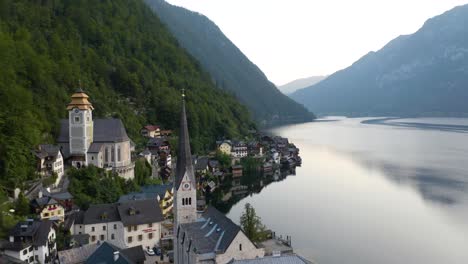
[[183, 201], [113, 154], [190, 200], [118, 154], [240, 247]]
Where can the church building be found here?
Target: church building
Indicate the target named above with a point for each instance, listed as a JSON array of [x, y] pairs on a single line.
[[210, 237], [101, 142]]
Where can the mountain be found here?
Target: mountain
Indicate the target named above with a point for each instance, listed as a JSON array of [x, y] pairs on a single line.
[[295, 85], [128, 62], [229, 67], [423, 74]]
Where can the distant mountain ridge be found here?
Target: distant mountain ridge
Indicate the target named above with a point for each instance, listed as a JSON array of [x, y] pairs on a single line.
[[229, 67], [422, 74], [295, 85]]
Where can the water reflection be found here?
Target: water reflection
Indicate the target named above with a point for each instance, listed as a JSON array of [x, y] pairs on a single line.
[[369, 193]]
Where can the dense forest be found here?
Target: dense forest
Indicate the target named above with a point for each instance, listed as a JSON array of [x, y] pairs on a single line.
[[230, 69], [129, 64]]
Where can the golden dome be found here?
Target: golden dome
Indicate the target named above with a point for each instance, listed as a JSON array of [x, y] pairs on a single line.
[[80, 101]]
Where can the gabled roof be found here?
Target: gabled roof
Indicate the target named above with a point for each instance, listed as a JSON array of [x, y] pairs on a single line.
[[95, 147], [212, 233], [101, 213], [285, 259], [151, 127], [184, 157], [202, 163], [104, 254], [105, 130], [47, 150], [140, 212], [36, 231]]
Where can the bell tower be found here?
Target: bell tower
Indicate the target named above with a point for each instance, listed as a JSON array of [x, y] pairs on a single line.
[[80, 121], [185, 186]]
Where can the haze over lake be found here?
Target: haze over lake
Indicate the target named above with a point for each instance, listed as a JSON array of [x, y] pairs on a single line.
[[373, 191]]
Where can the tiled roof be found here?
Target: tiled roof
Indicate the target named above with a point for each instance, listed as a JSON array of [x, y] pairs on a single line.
[[140, 212], [101, 213], [105, 130], [95, 147], [286, 259], [105, 255], [214, 232], [36, 231]]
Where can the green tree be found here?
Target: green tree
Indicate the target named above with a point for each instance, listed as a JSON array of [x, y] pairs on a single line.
[[22, 205], [252, 225], [224, 159], [143, 172]]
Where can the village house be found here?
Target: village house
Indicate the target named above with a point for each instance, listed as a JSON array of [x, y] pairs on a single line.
[[134, 223], [146, 154], [163, 194], [239, 149], [32, 241], [101, 142], [201, 165], [255, 148], [225, 147], [48, 209], [213, 165], [49, 160], [151, 131]]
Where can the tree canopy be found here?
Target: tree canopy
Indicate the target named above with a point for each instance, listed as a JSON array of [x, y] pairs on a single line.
[[252, 225], [127, 61]]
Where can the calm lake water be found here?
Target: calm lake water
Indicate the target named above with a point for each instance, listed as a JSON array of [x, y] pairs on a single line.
[[373, 191]]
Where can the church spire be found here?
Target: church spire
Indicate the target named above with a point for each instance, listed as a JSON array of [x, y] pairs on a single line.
[[184, 157]]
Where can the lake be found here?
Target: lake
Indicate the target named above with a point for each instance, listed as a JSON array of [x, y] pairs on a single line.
[[373, 190]]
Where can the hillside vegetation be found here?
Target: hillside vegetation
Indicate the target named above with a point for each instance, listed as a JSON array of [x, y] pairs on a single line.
[[230, 69], [130, 65]]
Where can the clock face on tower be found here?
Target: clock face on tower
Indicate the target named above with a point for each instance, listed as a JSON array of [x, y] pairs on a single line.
[[77, 110], [185, 186]]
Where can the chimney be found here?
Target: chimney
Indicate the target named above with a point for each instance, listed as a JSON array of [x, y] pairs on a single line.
[[116, 255], [39, 195]]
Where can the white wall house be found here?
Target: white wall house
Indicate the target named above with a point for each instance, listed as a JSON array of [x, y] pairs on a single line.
[[134, 223], [32, 241], [49, 160]]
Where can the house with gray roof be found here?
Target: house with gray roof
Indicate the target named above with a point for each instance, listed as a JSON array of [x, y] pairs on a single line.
[[103, 143], [49, 160], [277, 259], [128, 224], [31, 240]]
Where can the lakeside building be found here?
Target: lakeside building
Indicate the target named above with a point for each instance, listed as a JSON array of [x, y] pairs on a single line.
[[101, 142], [31, 241], [49, 160], [134, 223], [211, 237], [163, 194], [151, 131]]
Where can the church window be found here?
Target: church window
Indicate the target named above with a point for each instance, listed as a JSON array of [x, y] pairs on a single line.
[[240, 247], [107, 154], [190, 200], [118, 154], [183, 201], [77, 119], [112, 154]]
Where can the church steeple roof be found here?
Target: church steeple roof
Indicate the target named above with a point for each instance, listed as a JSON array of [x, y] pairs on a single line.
[[184, 157], [80, 101]]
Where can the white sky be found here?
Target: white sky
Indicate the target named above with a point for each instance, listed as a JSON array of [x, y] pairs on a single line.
[[291, 39]]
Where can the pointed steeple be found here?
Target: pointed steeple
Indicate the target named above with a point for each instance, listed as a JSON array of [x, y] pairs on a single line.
[[184, 157]]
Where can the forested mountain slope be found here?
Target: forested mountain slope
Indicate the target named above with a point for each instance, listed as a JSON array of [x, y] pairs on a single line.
[[129, 64], [230, 68]]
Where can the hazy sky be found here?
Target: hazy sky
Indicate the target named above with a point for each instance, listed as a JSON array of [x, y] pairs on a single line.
[[291, 39]]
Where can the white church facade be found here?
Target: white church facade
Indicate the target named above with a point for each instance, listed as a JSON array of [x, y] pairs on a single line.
[[210, 237], [101, 142]]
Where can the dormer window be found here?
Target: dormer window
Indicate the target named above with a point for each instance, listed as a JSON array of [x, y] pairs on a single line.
[[132, 211]]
